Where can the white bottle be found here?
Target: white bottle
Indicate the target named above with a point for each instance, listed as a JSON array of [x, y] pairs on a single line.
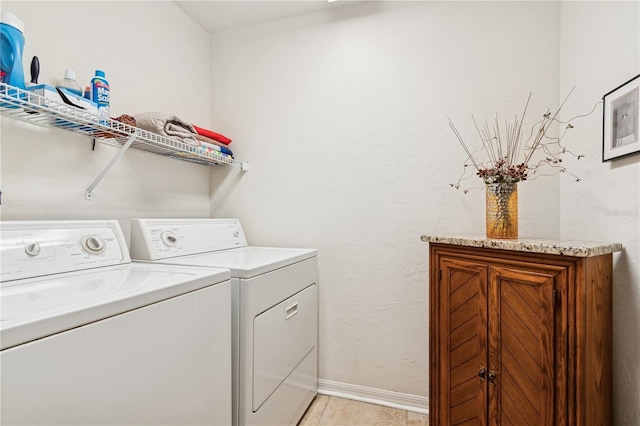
[[69, 82]]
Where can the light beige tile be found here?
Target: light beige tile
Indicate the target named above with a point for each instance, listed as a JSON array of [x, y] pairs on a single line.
[[312, 416], [417, 419], [345, 412]]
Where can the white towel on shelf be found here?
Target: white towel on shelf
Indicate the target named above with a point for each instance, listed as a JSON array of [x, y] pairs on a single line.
[[168, 125]]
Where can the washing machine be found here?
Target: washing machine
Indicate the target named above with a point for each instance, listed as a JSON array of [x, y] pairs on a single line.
[[88, 337], [274, 310]]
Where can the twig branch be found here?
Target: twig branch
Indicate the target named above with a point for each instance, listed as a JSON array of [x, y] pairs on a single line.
[[502, 147]]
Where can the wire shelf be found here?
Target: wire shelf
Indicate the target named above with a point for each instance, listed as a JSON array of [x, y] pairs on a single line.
[[30, 107]]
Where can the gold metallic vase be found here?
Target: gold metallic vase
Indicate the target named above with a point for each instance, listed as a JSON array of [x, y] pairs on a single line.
[[502, 210]]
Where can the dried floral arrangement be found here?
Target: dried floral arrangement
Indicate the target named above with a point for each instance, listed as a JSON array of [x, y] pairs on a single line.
[[507, 152]]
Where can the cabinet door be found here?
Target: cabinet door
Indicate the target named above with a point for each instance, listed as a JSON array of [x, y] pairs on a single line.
[[521, 347], [461, 343]]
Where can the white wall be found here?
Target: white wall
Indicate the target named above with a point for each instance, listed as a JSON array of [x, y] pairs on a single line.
[[155, 59], [601, 50], [343, 118]]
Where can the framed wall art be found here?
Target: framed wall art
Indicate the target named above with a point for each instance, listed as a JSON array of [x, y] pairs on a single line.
[[621, 120]]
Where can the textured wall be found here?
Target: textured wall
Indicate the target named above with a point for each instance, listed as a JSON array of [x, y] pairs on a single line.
[[343, 117], [601, 50], [155, 59]]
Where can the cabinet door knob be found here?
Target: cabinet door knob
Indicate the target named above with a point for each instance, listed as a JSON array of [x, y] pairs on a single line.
[[481, 373], [492, 376]]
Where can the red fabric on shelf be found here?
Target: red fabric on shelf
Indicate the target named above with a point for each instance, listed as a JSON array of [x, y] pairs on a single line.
[[213, 135]]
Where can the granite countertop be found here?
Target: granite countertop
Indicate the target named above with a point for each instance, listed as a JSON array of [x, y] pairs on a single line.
[[531, 245]]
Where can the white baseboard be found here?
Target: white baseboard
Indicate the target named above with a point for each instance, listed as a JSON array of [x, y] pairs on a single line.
[[403, 401]]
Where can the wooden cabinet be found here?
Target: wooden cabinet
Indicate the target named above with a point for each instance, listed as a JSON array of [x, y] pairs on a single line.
[[519, 338]]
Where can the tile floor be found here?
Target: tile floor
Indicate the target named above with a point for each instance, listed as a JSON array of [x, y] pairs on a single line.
[[332, 411]]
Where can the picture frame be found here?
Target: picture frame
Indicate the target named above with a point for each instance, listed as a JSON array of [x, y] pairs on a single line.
[[621, 120]]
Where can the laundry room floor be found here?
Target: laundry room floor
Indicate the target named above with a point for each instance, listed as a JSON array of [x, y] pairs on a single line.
[[333, 411]]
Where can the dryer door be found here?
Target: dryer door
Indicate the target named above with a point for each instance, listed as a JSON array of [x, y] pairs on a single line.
[[282, 337]]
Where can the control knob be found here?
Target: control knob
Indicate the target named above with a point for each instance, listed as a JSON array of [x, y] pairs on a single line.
[[33, 249], [169, 238], [93, 245]]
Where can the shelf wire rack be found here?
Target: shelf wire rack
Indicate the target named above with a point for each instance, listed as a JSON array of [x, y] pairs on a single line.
[[31, 107]]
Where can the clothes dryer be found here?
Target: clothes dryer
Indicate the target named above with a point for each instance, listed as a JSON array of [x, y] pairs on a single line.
[[88, 338], [274, 310]]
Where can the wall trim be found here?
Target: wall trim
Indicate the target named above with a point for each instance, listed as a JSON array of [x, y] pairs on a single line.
[[403, 401]]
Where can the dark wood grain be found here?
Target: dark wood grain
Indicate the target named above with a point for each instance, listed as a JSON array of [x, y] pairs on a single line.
[[598, 341], [551, 351], [461, 342]]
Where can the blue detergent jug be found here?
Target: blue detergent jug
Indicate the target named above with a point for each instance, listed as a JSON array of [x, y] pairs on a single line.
[[11, 47]]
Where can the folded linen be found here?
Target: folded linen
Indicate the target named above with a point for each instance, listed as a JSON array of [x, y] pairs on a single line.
[[212, 153], [168, 125], [211, 134], [211, 147], [208, 140]]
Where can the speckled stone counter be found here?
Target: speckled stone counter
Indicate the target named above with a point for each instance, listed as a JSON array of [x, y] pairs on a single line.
[[566, 248]]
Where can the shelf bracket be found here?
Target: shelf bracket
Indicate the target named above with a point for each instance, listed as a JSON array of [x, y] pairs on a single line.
[[88, 194]]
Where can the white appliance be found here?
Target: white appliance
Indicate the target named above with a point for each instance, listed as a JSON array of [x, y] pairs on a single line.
[[275, 310], [87, 337]]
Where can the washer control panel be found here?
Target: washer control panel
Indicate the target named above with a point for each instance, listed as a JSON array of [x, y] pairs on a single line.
[[31, 249], [154, 239]]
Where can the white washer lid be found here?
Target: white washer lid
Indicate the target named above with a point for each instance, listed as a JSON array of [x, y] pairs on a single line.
[[246, 262], [38, 307]]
